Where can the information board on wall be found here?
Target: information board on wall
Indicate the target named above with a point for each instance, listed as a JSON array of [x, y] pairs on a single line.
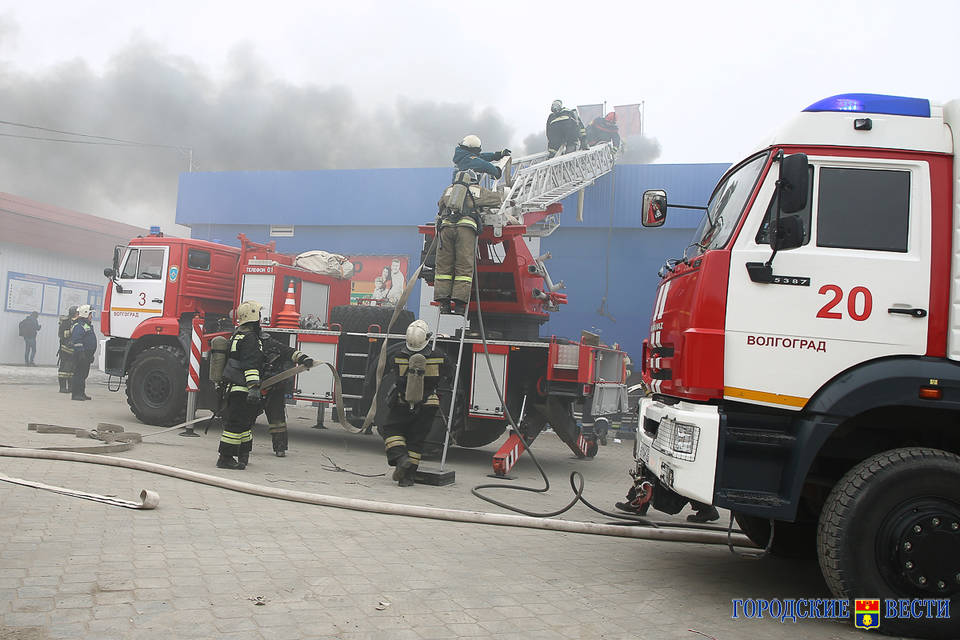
[[49, 296]]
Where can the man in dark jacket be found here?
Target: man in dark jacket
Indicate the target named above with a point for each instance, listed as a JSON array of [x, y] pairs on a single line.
[[564, 130], [84, 341], [467, 155], [279, 357], [65, 353], [242, 375], [28, 331], [604, 129], [408, 401]]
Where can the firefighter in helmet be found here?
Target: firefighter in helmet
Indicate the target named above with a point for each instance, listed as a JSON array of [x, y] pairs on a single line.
[[277, 358], [459, 222], [564, 130], [242, 375], [408, 401], [84, 340], [65, 353], [604, 129]]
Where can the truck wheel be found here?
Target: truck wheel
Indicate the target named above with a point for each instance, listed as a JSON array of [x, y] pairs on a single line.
[[790, 539], [891, 529], [156, 386]]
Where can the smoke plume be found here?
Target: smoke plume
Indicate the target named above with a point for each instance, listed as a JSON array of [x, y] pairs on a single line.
[[248, 120]]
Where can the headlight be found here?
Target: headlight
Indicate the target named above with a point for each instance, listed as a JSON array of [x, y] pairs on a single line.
[[685, 438]]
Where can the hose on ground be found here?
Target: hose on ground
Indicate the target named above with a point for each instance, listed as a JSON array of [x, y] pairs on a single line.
[[373, 506]]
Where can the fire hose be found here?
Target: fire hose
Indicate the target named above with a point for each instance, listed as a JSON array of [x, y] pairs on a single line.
[[662, 534]]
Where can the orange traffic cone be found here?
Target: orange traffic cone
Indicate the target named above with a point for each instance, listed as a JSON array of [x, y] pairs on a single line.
[[289, 317]]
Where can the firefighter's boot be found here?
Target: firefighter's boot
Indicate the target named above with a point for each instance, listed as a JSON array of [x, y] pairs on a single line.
[[243, 460], [707, 514], [227, 462], [63, 386], [279, 443]]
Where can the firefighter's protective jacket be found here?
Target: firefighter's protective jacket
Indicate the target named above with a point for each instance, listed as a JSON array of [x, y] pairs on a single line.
[[394, 381], [245, 359], [480, 162]]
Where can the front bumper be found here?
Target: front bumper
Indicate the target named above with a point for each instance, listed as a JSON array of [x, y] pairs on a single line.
[[678, 444]]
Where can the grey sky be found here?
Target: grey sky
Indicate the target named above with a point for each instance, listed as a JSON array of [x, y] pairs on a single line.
[[367, 83]]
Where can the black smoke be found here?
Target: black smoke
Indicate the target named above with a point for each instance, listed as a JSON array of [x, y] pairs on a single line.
[[248, 120]]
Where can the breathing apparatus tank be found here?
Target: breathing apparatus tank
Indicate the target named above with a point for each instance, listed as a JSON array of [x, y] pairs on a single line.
[[219, 348]]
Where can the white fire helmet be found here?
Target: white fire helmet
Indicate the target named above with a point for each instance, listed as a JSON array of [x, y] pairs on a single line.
[[556, 106], [418, 334], [248, 311], [83, 311], [471, 142]]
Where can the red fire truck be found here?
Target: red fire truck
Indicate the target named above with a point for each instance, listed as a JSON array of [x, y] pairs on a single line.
[[803, 354], [159, 285]]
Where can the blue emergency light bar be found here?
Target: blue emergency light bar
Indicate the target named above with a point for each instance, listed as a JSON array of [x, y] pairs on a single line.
[[874, 103], [155, 230]]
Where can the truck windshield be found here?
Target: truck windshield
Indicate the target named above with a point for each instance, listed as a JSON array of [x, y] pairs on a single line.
[[727, 203]]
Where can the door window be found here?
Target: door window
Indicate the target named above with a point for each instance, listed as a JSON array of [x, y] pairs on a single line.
[[143, 264], [864, 209], [130, 266]]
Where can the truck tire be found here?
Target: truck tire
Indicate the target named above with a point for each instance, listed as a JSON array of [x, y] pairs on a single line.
[[156, 386], [358, 318], [890, 528], [790, 540]]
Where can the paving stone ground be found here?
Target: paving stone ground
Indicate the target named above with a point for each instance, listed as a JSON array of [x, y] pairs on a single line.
[[212, 563]]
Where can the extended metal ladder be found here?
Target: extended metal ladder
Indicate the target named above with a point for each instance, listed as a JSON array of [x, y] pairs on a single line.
[[532, 183]]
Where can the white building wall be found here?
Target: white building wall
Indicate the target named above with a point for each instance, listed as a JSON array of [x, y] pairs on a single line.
[[23, 259]]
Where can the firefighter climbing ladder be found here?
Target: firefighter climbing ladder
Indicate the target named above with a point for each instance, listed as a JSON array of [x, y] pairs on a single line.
[[531, 184]]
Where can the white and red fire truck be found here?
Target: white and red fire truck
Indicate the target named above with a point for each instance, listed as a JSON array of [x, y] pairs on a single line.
[[161, 288], [803, 353]]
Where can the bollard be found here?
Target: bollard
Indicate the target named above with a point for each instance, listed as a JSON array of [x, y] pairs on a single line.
[[193, 375]]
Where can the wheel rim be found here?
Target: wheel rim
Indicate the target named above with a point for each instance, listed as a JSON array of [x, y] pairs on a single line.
[[918, 547], [156, 389]]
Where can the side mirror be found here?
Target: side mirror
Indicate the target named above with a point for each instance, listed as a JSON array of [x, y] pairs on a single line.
[[794, 182], [654, 208], [788, 234], [110, 273]]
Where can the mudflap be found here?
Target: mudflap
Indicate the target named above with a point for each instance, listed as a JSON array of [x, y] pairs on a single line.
[[583, 442]]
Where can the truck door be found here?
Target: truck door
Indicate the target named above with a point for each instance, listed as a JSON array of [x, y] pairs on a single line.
[[141, 275], [858, 288]]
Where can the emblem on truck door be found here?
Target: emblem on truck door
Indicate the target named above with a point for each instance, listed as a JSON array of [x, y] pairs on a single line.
[[174, 272]]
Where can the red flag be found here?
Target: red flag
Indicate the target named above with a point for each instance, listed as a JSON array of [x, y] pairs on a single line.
[[628, 119]]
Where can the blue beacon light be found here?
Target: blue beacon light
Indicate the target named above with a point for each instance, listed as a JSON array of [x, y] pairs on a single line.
[[874, 103]]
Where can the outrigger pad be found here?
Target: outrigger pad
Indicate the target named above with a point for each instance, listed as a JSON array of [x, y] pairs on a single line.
[[435, 477]]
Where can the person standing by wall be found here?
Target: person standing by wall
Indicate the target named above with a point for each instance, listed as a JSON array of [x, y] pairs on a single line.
[[84, 341], [65, 353], [29, 327]]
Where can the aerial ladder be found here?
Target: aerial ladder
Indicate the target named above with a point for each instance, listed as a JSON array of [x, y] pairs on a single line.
[[517, 294]]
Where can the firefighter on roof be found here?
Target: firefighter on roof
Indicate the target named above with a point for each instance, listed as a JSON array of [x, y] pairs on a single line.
[[564, 130], [460, 222], [408, 399], [65, 354], [277, 358]]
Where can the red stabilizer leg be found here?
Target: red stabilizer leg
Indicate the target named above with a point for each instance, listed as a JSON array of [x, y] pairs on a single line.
[[507, 456]]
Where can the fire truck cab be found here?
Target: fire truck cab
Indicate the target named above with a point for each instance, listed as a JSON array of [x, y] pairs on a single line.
[[803, 353]]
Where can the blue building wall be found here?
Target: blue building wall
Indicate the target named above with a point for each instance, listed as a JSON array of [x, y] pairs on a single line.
[[376, 211]]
